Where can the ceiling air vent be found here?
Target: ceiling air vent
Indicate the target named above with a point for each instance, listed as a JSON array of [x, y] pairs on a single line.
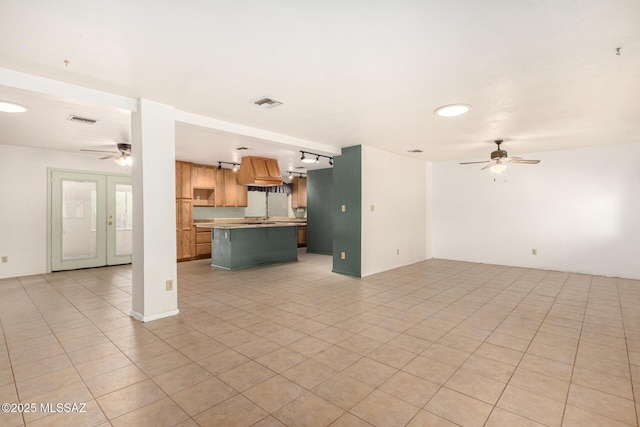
[[242, 148], [267, 103], [414, 151], [84, 120]]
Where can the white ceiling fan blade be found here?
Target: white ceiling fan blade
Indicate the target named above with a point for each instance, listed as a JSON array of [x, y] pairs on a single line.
[[529, 162], [512, 159], [472, 163], [488, 166], [98, 151], [110, 157]]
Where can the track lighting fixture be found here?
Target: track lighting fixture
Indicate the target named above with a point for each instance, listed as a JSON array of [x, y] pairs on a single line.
[[301, 174], [234, 166], [310, 159]]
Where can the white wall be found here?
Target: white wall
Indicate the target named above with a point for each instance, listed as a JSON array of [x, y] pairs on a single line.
[[23, 195], [397, 188], [579, 208]]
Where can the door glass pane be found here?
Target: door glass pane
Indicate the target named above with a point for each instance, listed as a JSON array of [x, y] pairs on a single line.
[[78, 219], [124, 219]]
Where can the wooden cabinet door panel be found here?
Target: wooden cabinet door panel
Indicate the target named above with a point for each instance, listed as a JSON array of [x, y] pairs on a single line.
[[230, 191]]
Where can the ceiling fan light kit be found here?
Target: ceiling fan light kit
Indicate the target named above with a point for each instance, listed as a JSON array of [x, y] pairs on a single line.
[[498, 159], [452, 110]]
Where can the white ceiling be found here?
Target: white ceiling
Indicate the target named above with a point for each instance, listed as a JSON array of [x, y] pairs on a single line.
[[543, 75]]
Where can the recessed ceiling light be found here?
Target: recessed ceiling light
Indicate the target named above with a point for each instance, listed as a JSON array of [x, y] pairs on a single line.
[[452, 110], [12, 107]]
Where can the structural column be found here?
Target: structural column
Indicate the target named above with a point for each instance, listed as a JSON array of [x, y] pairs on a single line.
[[154, 217]]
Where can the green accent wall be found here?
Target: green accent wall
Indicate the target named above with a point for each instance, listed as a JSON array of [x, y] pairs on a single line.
[[320, 211], [347, 225]]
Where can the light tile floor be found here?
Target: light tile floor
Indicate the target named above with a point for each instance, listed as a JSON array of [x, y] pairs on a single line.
[[438, 343]]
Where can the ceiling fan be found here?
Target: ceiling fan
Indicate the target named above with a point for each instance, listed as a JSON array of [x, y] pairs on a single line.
[[121, 157], [499, 159]]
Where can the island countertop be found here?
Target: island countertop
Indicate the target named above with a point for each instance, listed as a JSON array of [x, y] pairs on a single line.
[[264, 224]]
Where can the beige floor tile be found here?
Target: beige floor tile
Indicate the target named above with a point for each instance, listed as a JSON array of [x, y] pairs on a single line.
[[281, 359], [392, 356], [541, 384], [476, 386], [460, 342], [246, 375], [532, 406], [256, 348], [309, 410], [564, 355], [606, 383], [237, 411], [158, 414], [350, 420], [309, 373], [161, 364], [202, 396], [360, 344], [48, 382], [39, 367], [458, 408], [125, 400], [115, 380], [447, 355], [499, 353], [74, 393], [410, 343], [102, 365], [336, 358], [548, 367], [91, 415], [489, 368], [274, 393], [343, 391], [577, 417], [285, 336], [601, 403], [430, 370], [370, 371], [268, 422], [332, 334], [501, 418], [223, 361], [410, 388], [382, 409], [178, 379], [428, 419], [606, 366], [508, 341], [309, 346]]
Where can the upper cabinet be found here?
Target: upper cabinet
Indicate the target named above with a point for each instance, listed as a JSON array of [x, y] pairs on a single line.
[[203, 177], [298, 192], [259, 171], [183, 180]]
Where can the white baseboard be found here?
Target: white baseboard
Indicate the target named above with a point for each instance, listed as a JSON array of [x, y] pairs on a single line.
[[143, 318]]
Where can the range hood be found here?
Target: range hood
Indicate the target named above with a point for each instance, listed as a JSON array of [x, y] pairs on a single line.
[[259, 172]]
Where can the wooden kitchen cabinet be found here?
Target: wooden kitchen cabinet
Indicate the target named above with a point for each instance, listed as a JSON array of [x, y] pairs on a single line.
[[183, 180], [298, 192], [184, 229], [203, 242], [203, 177], [302, 236], [228, 191]]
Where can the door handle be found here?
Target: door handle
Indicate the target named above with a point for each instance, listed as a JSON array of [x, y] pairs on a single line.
[[110, 223]]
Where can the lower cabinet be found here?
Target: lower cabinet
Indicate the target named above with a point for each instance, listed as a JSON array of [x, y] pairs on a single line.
[[203, 242], [184, 229], [302, 236]]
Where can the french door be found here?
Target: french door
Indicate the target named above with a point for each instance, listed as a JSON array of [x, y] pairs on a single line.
[[91, 220]]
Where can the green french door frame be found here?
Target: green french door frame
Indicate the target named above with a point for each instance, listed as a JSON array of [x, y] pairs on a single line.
[[89, 220]]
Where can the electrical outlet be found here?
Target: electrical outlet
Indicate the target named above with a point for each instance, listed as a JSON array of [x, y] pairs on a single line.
[[397, 251], [373, 208], [343, 255], [534, 252], [169, 284], [5, 259], [344, 208]]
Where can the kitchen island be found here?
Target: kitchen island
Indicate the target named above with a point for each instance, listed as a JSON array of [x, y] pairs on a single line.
[[238, 246]]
